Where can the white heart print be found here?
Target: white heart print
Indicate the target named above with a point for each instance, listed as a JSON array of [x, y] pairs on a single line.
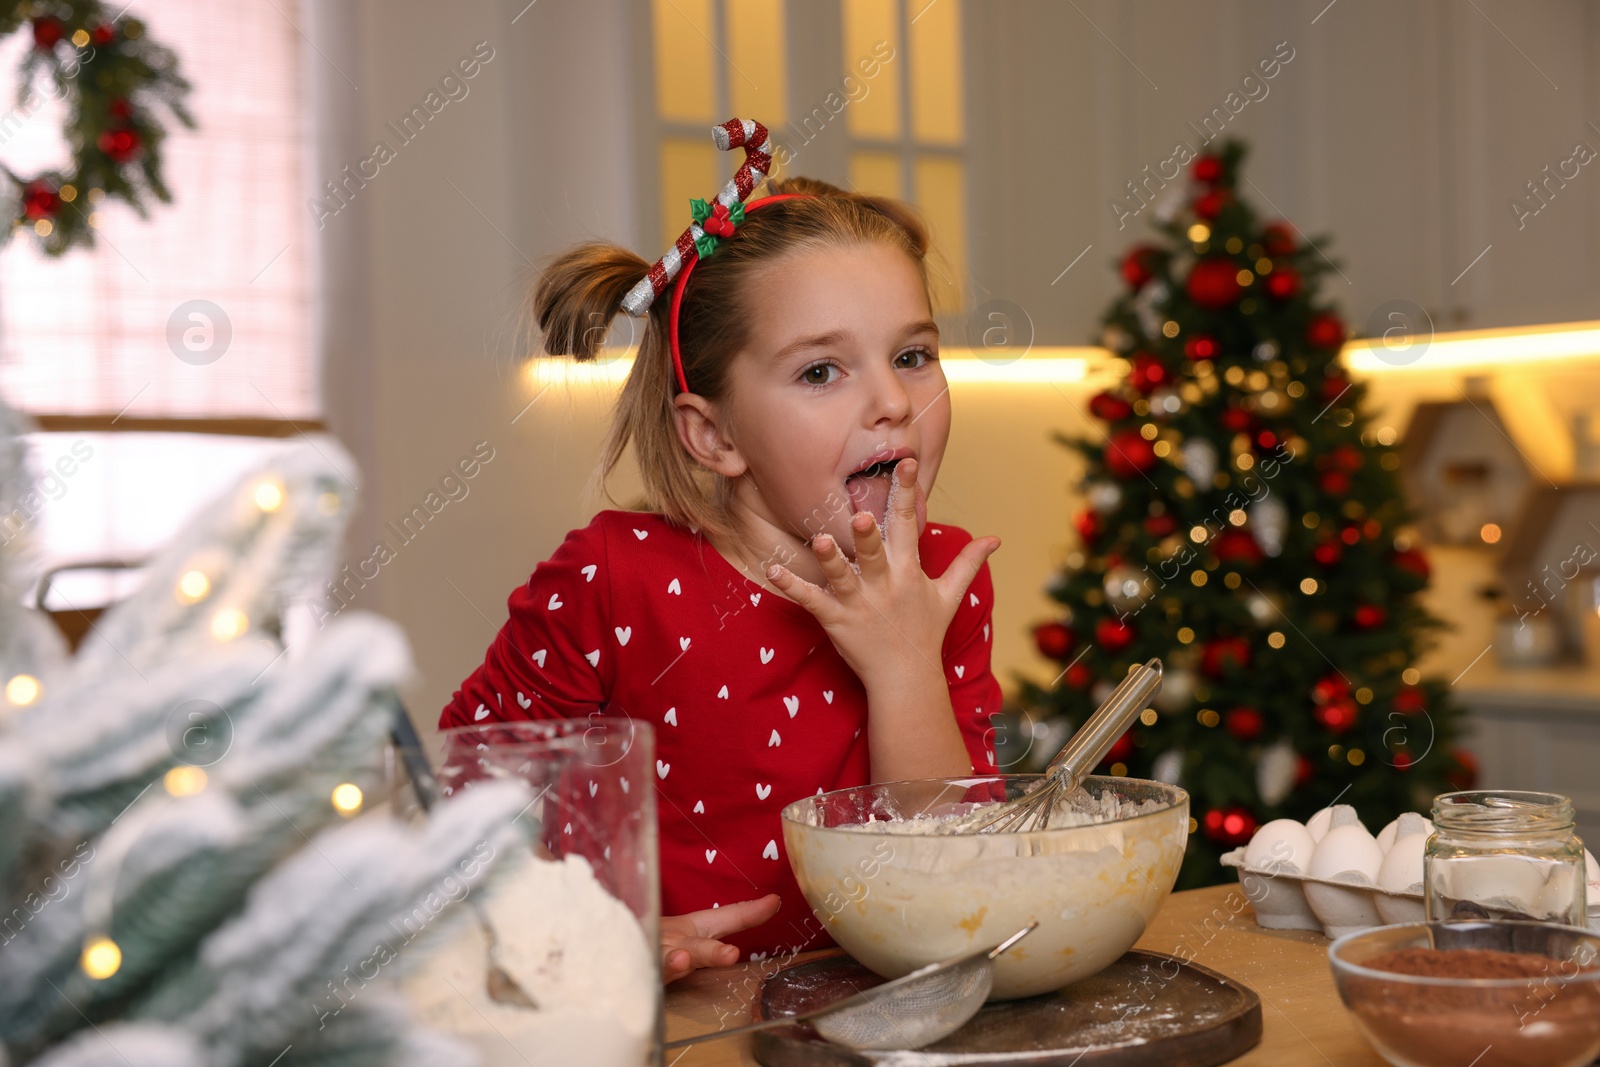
[[623, 633], [588, 572], [755, 598], [523, 702], [699, 807], [793, 704], [722, 693], [593, 657], [771, 851], [538, 657], [827, 694], [972, 598], [711, 855], [662, 769], [555, 601], [593, 788], [683, 643], [640, 534], [674, 587], [767, 654], [774, 741], [624, 785], [481, 714], [960, 670], [671, 718], [763, 791], [986, 631], [567, 829]]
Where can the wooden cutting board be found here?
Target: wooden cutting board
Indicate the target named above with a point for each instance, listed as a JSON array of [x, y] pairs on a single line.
[[1148, 1008]]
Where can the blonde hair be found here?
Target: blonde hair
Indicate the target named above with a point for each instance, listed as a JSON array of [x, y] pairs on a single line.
[[581, 289]]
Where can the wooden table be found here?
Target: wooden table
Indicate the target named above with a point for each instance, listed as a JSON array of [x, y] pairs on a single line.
[[1305, 1025]]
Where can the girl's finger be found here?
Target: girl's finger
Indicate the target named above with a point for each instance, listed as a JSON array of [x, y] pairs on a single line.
[[813, 598], [720, 922], [871, 554], [708, 952], [903, 508], [956, 577], [676, 963], [834, 566]]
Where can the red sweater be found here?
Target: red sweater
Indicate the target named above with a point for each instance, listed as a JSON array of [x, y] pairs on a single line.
[[752, 705]]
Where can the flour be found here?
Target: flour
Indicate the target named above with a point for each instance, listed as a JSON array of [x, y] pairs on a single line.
[[573, 947]]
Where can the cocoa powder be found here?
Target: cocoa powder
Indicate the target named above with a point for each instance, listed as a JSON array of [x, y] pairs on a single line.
[[1551, 1018]]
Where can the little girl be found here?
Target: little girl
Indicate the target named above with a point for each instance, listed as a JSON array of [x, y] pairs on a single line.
[[784, 613]]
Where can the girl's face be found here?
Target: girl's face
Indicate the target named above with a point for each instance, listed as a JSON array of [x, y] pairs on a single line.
[[841, 370]]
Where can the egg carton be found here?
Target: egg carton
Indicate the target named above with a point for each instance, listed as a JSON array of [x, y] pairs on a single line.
[[1284, 899]]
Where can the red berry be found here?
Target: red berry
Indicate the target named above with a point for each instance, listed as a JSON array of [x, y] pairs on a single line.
[[1110, 407], [1244, 723], [1128, 453], [1206, 169], [1055, 641], [1113, 635], [1325, 330], [1214, 284], [1201, 346], [120, 145], [1283, 284]]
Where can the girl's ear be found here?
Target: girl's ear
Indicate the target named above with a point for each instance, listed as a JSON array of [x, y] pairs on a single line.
[[700, 428]]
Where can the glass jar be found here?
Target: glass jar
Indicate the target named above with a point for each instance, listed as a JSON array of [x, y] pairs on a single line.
[[576, 919], [1504, 854]]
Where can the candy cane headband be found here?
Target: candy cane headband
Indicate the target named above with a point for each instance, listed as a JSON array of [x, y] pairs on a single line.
[[712, 223]]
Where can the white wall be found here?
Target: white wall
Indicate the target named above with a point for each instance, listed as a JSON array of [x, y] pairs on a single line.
[[1403, 131]]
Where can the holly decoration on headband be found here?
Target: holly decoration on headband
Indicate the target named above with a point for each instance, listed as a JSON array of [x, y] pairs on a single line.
[[717, 220], [113, 81]]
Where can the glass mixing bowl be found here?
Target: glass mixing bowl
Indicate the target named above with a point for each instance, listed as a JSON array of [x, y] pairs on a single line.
[[899, 900]]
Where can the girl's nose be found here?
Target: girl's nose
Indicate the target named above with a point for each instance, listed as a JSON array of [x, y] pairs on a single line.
[[890, 399]]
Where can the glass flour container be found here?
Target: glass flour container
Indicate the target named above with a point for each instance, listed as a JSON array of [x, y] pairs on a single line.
[[1504, 854]]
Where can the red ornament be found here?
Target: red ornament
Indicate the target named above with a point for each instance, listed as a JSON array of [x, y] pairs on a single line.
[[1128, 454], [1347, 457], [1303, 770], [1410, 700], [1159, 526], [1327, 553], [1350, 535], [1334, 386], [1325, 330], [1236, 546], [1206, 169], [1413, 561], [1223, 655], [1464, 775], [39, 200], [1401, 760], [1078, 676], [1120, 749], [1214, 284], [1113, 635], [1209, 205], [1139, 265], [1278, 238], [1148, 373], [119, 109], [1337, 715], [1266, 441], [1244, 723], [1055, 641], [1330, 687], [47, 32], [1088, 523], [104, 33], [1234, 826], [1201, 346], [123, 145], [1370, 616], [1334, 483], [1110, 407], [1237, 420], [1283, 283]]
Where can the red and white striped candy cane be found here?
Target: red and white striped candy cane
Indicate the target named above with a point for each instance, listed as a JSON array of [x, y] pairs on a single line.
[[735, 133]]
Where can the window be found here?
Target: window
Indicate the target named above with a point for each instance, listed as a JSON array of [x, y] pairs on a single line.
[[107, 340]]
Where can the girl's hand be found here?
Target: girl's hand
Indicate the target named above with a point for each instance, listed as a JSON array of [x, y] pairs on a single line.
[[886, 617], [690, 941]]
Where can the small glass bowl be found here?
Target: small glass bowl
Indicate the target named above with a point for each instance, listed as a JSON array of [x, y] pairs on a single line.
[[1551, 1019]]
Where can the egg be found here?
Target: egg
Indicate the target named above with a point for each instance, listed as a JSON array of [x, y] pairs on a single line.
[[1347, 848], [1329, 817], [1406, 824], [1402, 865], [1282, 844]]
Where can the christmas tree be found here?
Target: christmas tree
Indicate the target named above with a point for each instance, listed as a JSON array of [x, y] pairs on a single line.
[[1244, 523], [184, 878]]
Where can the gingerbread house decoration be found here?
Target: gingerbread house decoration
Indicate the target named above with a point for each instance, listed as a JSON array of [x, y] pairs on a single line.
[[1550, 560], [1461, 471]]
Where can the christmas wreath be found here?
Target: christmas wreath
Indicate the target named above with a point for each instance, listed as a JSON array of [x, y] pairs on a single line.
[[113, 80]]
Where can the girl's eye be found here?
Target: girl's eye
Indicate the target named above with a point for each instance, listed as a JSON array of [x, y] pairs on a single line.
[[918, 357], [818, 374]]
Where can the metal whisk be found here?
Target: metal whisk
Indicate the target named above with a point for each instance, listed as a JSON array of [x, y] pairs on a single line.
[[1032, 811]]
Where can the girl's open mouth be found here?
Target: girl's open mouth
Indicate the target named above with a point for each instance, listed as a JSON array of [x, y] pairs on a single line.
[[869, 488]]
